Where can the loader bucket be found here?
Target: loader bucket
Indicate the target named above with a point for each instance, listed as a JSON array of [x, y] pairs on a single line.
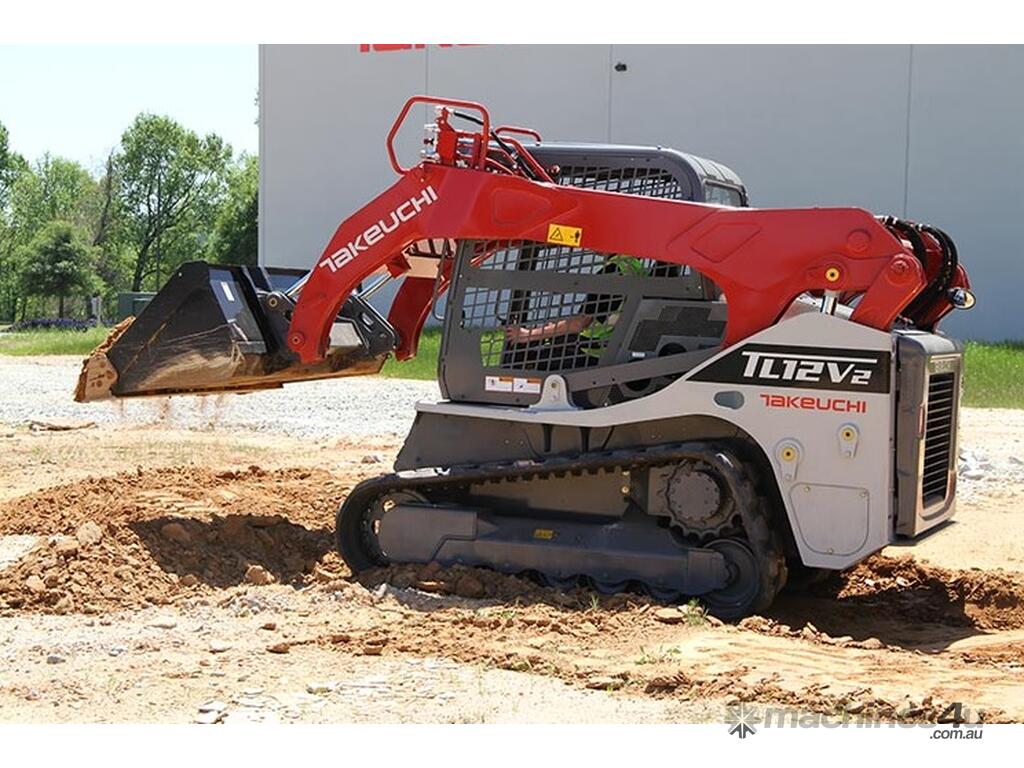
[[218, 328]]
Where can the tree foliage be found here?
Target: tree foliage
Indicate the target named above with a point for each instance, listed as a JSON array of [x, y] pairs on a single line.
[[58, 262], [55, 190], [165, 195], [236, 228], [8, 162], [169, 182]]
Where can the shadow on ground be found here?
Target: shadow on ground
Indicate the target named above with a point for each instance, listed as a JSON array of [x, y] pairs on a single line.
[[220, 552]]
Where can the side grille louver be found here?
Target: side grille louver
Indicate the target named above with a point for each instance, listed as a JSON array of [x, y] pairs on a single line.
[[938, 438]]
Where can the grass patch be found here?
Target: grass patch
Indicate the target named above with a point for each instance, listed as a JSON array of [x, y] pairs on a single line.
[[55, 342], [424, 365], [994, 376]]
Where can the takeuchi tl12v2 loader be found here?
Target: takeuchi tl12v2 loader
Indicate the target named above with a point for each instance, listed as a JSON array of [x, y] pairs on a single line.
[[647, 384]]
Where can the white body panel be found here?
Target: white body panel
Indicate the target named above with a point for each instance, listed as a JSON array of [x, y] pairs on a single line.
[[838, 496]]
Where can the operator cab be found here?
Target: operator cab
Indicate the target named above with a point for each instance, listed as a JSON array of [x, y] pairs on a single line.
[[614, 326]]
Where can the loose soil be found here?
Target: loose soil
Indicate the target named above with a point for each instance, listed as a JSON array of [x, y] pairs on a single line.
[[893, 638]]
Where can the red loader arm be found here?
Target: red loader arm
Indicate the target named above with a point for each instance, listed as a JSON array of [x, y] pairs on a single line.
[[761, 259]]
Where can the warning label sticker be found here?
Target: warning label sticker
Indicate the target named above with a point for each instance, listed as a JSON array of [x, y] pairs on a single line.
[[560, 234], [498, 383], [529, 386], [516, 384]]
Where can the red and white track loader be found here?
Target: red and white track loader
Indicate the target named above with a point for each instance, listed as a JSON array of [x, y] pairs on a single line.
[[647, 384]]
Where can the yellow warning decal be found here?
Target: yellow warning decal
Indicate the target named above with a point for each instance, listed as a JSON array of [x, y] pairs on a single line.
[[544, 533], [560, 234]]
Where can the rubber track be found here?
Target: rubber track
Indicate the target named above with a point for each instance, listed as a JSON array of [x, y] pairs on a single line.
[[755, 510]]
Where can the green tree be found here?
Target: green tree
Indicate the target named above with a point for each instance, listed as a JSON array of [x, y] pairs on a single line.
[[8, 162], [12, 168], [51, 189], [56, 189], [168, 182], [58, 262], [236, 228]]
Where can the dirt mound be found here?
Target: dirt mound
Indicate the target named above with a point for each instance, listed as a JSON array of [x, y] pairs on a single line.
[[919, 591], [153, 536]]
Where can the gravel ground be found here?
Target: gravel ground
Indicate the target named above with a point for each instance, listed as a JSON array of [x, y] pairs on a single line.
[[41, 389]]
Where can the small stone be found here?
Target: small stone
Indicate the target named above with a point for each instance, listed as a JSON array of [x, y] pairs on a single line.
[[321, 687], [188, 580], [372, 458], [66, 546], [257, 574], [755, 624], [51, 579], [669, 616], [279, 648], [176, 532], [403, 579], [324, 575], [855, 707], [63, 605], [117, 650], [469, 586], [603, 683], [430, 570], [164, 622], [714, 621], [437, 587], [88, 534], [208, 718], [871, 644], [269, 626], [53, 658], [213, 706], [35, 585], [220, 646]]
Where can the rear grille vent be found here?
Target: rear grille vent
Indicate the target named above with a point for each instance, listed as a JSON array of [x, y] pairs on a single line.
[[938, 437]]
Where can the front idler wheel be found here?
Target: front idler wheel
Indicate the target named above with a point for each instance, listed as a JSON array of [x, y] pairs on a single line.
[[357, 527], [743, 590]]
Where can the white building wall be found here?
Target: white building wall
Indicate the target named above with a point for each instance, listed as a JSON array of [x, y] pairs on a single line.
[[932, 133]]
